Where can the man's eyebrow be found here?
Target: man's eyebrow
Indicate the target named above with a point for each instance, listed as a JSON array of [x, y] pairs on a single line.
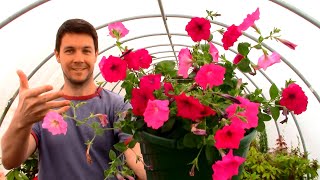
[[68, 47], [88, 47]]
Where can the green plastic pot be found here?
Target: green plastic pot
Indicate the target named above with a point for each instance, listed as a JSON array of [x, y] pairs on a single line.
[[166, 162]]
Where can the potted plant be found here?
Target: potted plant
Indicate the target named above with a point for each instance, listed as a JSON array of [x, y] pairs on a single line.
[[196, 110], [279, 163], [193, 118]]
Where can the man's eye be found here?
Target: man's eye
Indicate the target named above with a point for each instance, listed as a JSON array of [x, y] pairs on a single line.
[[68, 51], [86, 51]]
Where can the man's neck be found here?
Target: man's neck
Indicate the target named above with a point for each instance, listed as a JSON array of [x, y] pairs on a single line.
[[79, 90]]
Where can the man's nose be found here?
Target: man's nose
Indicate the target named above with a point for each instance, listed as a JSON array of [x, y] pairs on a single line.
[[79, 57]]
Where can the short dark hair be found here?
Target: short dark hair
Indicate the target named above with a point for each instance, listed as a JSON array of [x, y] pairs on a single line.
[[78, 26]]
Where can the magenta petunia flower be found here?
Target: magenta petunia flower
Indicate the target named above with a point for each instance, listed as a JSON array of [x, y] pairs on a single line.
[[214, 52], [249, 20], [117, 30], [156, 113], [113, 69], [55, 124], [139, 100], [238, 58], [210, 75], [138, 59], [247, 117], [151, 82], [198, 29], [294, 99], [229, 137], [268, 60], [230, 36], [168, 89], [227, 167], [188, 107], [185, 62]]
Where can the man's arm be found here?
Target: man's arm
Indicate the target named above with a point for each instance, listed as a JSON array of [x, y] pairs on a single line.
[[17, 144], [131, 158]]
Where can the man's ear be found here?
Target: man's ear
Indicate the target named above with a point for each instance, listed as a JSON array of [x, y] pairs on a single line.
[[56, 53]]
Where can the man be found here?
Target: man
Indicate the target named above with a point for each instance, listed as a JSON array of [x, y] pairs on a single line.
[[64, 156]]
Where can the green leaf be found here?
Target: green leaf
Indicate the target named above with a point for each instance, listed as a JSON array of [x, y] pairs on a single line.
[[275, 112], [261, 126], [10, 175], [112, 155], [260, 39], [166, 67], [273, 91], [243, 48], [132, 143], [264, 117], [258, 46], [191, 140], [168, 125], [129, 83], [243, 65], [121, 147], [211, 154]]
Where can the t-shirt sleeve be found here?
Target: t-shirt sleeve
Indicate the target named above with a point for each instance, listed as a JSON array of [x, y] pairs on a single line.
[[35, 132], [122, 107]]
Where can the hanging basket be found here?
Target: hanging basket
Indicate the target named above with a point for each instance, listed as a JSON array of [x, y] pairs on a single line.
[[166, 162]]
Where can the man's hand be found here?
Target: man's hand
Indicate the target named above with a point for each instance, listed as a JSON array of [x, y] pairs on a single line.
[[17, 143], [136, 166], [34, 103]]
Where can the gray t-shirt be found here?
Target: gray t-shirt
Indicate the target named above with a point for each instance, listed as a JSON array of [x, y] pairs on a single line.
[[63, 157]]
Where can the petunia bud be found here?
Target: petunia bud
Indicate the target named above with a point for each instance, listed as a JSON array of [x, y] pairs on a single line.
[[287, 43]]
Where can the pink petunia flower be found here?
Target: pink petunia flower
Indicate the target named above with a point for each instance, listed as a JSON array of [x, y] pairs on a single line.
[[214, 52], [268, 60], [117, 30], [287, 43], [249, 20], [151, 82], [294, 99], [185, 62], [198, 29], [210, 74], [247, 117], [156, 113], [55, 124], [113, 69], [229, 137], [195, 130], [230, 36], [103, 119], [227, 167]]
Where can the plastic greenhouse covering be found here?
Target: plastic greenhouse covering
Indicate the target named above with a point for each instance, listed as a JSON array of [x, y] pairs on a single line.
[[28, 29]]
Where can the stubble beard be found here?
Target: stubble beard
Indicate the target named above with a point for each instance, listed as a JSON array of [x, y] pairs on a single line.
[[77, 83]]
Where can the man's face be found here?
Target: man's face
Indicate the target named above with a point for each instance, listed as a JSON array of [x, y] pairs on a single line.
[[77, 57]]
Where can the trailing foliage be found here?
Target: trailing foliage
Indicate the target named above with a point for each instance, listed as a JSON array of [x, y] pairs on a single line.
[[280, 163]]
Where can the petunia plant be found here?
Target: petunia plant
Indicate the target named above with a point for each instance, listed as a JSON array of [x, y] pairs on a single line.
[[199, 98]]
